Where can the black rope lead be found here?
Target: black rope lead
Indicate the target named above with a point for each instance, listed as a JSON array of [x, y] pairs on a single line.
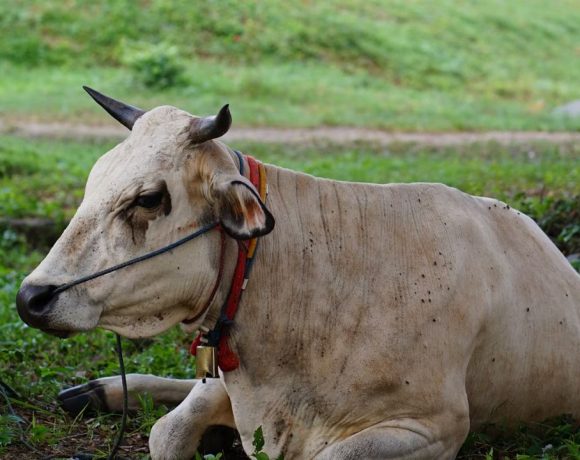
[[123, 425], [106, 271]]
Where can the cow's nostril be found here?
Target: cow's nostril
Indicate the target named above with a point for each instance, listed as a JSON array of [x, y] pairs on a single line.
[[34, 299], [41, 298]]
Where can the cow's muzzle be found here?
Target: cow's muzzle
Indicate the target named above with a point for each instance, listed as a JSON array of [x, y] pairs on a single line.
[[34, 304]]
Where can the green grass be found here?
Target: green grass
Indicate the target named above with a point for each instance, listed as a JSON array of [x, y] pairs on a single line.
[[267, 94], [45, 178], [390, 64], [494, 170]]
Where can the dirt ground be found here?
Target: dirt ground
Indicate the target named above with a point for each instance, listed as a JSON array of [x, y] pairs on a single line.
[[325, 134]]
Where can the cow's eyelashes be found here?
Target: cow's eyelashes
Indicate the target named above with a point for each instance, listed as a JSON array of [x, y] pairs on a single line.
[[149, 200]]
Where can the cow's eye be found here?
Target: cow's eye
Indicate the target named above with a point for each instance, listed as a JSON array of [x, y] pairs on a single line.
[[149, 201]]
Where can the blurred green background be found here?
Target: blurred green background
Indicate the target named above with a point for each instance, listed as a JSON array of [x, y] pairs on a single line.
[[392, 64]]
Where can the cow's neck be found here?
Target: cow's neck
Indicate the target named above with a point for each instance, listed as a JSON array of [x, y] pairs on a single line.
[[277, 318], [273, 315], [222, 318]]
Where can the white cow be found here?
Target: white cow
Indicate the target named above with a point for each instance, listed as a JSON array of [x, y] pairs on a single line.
[[379, 321]]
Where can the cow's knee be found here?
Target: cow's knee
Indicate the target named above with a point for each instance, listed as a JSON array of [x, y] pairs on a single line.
[[177, 435], [175, 438], [414, 442]]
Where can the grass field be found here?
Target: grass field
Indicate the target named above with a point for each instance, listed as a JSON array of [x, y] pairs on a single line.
[[391, 64], [42, 178]]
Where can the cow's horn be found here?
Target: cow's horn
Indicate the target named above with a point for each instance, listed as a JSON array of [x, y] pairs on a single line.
[[125, 114], [204, 129]]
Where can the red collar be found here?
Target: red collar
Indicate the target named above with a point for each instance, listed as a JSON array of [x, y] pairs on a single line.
[[218, 337]]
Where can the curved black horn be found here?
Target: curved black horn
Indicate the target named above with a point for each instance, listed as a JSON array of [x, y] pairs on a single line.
[[204, 129], [125, 114]]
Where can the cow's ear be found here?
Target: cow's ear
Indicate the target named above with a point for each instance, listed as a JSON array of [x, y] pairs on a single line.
[[240, 210]]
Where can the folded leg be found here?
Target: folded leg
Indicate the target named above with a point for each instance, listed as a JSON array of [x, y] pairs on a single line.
[[106, 394], [177, 435], [401, 440]]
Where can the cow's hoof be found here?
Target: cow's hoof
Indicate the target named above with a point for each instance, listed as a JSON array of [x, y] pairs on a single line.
[[87, 398]]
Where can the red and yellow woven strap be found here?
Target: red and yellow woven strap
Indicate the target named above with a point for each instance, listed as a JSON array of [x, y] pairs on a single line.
[[227, 359]]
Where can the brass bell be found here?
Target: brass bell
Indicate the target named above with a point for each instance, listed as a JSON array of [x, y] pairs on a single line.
[[206, 362]]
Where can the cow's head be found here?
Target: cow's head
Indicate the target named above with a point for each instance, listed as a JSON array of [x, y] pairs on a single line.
[[167, 179]]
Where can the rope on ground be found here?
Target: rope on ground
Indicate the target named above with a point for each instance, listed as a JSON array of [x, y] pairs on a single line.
[[125, 400]]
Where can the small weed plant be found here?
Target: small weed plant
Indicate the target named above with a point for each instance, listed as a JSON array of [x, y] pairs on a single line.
[[258, 444], [156, 66], [208, 456]]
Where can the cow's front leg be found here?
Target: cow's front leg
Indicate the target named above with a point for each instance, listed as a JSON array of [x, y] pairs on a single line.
[[106, 394], [177, 435]]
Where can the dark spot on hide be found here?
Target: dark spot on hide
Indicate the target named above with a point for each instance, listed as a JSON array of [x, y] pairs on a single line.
[[279, 426]]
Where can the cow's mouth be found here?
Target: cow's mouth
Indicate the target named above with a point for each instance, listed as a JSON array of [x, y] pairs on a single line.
[[58, 333]]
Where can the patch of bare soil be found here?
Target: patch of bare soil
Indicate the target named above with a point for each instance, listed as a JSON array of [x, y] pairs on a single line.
[[301, 136]]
